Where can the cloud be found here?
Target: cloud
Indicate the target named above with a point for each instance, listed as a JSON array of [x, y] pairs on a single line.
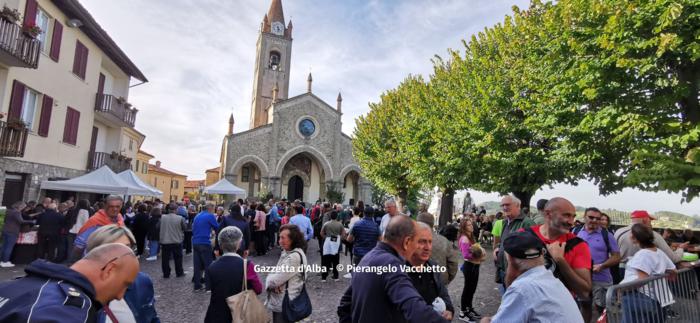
[[199, 57]]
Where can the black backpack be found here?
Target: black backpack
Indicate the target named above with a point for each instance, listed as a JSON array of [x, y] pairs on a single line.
[[450, 232], [549, 262]]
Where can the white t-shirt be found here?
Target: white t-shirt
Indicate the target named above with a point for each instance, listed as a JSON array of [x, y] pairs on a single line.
[[652, 263], [83, 216], [121, 312]]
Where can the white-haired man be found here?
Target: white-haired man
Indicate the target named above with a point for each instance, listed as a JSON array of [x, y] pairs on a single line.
[[514, 220]]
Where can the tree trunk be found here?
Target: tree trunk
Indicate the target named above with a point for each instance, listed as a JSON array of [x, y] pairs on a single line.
[[401, 198], [446, 206], [524, 198]]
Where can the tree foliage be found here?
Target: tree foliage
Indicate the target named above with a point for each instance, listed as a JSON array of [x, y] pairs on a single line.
[[599, 89]]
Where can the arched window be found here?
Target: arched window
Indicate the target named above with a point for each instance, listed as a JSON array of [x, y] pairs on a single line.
[[274, 60]]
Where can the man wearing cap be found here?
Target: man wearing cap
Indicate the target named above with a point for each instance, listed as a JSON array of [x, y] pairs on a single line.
[[623, 236], [533, 294]]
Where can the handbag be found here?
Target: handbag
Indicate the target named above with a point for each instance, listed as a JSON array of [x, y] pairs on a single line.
[[331, 245], [299, 308], [245, 306]]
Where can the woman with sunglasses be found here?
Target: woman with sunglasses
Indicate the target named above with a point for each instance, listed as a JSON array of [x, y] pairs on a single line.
[[138, 304]]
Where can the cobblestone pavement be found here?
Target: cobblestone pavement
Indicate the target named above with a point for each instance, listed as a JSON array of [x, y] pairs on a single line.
[[177, 302]]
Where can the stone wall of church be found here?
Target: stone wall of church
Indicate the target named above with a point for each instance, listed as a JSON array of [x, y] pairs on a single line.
[[324, 140]]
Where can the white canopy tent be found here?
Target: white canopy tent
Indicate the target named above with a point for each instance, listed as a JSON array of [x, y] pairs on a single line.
[[129, 177], [102, 180], [224, 187]]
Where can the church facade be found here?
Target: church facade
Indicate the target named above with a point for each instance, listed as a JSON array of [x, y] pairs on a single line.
[[295, 148]]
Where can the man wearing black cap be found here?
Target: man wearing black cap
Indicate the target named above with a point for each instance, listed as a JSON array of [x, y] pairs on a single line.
[[533, 294]]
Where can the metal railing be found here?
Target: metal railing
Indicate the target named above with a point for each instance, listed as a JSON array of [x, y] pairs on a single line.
[[24, 48], [115, 162], [111, 104], [13, 139], [661, 298]]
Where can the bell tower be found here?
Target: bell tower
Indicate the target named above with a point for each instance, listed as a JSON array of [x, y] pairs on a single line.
[[272, 63]]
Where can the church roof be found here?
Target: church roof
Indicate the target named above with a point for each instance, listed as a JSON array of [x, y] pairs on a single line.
[[276, 13]]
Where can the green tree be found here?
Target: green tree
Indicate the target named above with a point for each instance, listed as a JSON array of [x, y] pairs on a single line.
[[637, 65], [378, 147], [508, 130]]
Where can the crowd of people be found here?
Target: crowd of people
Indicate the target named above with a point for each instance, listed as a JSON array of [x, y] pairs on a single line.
[[549, 266]]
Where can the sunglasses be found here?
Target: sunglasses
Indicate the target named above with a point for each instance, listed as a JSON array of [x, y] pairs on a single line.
[[596, 218]]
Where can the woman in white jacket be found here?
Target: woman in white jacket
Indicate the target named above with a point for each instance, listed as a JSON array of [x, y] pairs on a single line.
[[289, 275]]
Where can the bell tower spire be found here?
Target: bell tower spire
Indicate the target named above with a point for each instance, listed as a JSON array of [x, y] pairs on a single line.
[[273, 60]]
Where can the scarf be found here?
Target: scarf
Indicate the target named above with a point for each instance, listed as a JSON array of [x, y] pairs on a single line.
[[100, 218]]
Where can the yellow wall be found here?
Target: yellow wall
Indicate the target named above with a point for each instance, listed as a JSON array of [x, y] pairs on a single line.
[[212, 177], [162, 181], [57, 80]]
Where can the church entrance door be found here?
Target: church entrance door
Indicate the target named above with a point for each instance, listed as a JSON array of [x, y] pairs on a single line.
[[295, 188]]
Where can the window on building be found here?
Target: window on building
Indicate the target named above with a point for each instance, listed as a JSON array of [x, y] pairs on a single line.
[[155, 181], [245, 174], [131, 144], [70, 129], [144, 168], [274, 60], [42, 21], [31, 99], [80, 60], [137, 165]]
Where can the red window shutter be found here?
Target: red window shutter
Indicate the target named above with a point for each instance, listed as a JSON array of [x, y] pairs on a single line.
[[67, 125], [80, 59], [101, 84], [30, 13], [56, 40], [76, 58], [45, 120], [83, 61], [70, 130], [16, 101], [75, 124]]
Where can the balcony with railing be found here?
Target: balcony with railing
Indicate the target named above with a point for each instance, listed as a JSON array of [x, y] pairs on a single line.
[[17, 48], [13, 138], [115, 110], [114, 161]]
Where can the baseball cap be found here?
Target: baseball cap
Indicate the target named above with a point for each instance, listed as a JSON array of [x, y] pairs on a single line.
[[518, 244], [640, 214]]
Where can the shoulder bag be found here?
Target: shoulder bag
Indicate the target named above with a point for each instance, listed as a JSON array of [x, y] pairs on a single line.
[[245, 306], [298, 308]]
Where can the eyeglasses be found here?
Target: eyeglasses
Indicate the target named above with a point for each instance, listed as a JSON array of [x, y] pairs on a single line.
[[116, 258], [594, 218]]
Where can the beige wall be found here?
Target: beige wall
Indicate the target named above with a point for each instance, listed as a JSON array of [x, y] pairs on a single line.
[[57, 80], [211, 178], [162, 181]]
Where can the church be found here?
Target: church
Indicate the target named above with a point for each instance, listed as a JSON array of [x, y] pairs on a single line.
[[295, 148]]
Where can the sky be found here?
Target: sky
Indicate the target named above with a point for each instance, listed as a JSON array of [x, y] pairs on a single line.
[[199, 56]]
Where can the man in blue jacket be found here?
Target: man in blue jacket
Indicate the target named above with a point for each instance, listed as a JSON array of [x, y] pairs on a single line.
[[202, 227], [55, 293], [390, 295]]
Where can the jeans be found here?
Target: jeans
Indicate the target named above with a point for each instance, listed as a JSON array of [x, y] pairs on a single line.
[[48, 247], [330, 262], [152, 248], [471, 279], [640, 308], [260, 245], [8, 244], [188, 242], [173, 250], [201, 259]]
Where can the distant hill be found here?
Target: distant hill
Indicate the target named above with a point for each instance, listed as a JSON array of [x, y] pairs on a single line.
[[664, 219]]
